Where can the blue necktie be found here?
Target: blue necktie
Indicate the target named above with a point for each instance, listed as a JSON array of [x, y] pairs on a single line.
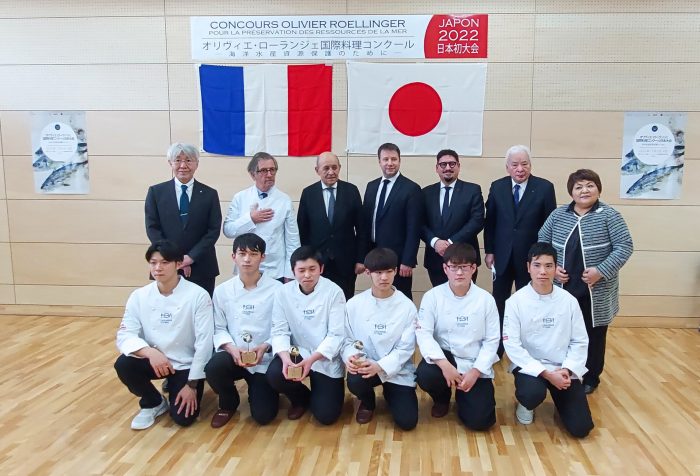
[[331, 204], [446, 204], [516, 195], [382, 196], [184, 205]]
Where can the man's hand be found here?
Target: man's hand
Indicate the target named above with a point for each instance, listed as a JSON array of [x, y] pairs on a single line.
[[259, 215], [359, 268], [353, 366], [405, 271], [591, 276], [559, 378], [186, 400], [469, 379], [370, 369], [452, 376], [561, 275], [159, 362], [259, 353], [489, 259], [186, 266], [235, 353], [441, 246]]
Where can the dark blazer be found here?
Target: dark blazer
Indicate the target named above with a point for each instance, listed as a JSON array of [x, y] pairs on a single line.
[[198, 236], [338, 241], [507, 232], [398, 227], [464, 221]]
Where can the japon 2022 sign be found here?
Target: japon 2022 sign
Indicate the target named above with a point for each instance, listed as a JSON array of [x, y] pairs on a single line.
[[321, 38]]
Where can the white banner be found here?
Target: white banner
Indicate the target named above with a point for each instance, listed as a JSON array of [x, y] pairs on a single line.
[[324, 37], [653, 155], [59, 153]]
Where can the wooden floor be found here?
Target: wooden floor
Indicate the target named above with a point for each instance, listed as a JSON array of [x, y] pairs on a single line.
[[63, 411]]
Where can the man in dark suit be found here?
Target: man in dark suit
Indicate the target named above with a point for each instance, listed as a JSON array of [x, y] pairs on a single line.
[[516, 208], [454, 213], [329, 220], [391, 216], [188, 213]]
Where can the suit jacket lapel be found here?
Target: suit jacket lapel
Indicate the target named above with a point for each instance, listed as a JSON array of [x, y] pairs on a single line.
[[394, 191], [456, 189], [321, 200]]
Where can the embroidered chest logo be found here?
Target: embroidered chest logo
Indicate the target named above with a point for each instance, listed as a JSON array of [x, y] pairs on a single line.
[[379, 329], [248, 309], [462, 321], [166, 317], [547, 322], [309, 314]]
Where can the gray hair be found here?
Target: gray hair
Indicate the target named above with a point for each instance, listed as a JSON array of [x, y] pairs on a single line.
[[178, 148], [516, 149], [327, 154], [253, 164]]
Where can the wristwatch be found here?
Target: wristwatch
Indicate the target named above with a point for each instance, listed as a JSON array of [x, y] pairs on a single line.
[[193, 384]]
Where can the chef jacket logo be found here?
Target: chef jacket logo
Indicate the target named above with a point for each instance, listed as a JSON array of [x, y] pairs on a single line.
[[247, 309], [462, 321], [309, 313], [547, 322], [166, 317], [379, 329]]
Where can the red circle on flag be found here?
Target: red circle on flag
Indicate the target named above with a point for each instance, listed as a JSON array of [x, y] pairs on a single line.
[[415, 109]]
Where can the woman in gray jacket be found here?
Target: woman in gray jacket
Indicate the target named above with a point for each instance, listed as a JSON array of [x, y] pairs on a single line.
[[592, 242]]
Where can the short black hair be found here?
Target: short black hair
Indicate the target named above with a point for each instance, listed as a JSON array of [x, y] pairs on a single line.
[[541, 249], [167, 249], [306, 252], [380, 259], [583, 175], [249, 241], [388, 146], [459, 253], [445, 152]]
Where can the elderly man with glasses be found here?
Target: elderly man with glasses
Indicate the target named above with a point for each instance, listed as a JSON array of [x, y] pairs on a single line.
[[268, 212], [454, 213]]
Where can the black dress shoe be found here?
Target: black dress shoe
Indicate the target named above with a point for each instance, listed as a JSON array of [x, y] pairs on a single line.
[[588, 388]]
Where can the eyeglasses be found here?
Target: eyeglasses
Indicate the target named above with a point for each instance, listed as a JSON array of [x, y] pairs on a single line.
[[459, 267], [271, 170], [179, 162], [444, 165]]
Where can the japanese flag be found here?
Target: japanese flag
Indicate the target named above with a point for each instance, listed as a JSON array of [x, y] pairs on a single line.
[[422, 107]]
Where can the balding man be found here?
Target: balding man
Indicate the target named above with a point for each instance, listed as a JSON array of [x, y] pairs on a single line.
[[329, 219]]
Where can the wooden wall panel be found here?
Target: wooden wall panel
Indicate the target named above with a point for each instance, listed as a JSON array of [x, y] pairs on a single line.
[[71, 8], [3, 193], [667, 228], [7, 294], [255, 7], [509, 87], [627, 6], [661, 306], [74, 295], [115, 133], [511, 37], [616, 86], [77, 221], [503, 129], [79, 264], [6, 275], [96, 87], [4, 225], [592, 38], [454, 6], [661, 273], [98, 40]]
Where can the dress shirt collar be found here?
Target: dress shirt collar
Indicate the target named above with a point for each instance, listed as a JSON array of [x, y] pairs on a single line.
[[392, 180], [324, 186], [513, 183], [178, 184]]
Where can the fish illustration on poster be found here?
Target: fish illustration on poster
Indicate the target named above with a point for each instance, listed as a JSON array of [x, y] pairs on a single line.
[[59, 153], [653, 155]]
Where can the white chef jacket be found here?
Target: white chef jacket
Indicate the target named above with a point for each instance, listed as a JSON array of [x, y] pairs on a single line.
[[180, 325], [312, 322], [545, 332], [387, 328], [238, 311], [467, 326], [281, 234]]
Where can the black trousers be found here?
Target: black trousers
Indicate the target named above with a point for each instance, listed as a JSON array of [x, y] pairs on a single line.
[[222, 373], [571, 403], [401, 399], [325, 398], [514, 272], [137, 374], [597, 338], [404, 285], [437, 276], [208, 283], [344, 278], [476, 408]]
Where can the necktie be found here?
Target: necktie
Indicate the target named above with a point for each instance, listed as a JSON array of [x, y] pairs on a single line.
[[382, 195], [516, 195], [331, 204], [446, 204], [184, 205]]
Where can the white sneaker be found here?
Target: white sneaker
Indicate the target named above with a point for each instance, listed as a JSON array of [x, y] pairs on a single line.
[[524, 415], [147, 416]]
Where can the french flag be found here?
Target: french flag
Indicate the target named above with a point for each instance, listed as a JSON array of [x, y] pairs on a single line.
[[276, 108]]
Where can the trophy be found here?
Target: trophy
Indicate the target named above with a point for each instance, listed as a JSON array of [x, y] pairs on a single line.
[[294, 372], [360, 356], [248, 357]]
